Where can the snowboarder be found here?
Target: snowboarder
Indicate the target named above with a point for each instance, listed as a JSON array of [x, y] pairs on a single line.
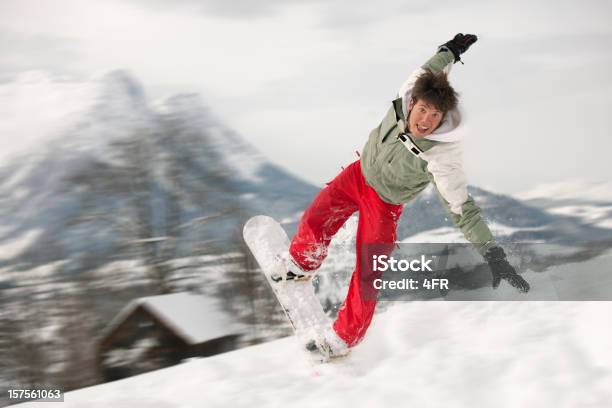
[[418, 142]]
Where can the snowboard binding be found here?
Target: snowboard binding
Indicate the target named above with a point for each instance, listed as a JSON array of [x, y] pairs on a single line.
[[292, 271], [328, 347]]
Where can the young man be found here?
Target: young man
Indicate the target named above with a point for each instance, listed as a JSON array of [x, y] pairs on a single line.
[[418, 142]]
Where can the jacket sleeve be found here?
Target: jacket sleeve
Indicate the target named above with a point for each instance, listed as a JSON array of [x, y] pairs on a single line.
[[441, 61], [446, 172], [471, 224]]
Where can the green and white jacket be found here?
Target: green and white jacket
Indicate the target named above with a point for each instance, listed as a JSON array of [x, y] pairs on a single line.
[[398, 175]]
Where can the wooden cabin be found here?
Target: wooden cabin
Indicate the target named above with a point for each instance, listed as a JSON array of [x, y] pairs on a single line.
[[160, 331]]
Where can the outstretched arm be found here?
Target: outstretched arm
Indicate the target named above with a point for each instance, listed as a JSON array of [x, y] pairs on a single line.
[[475, 230], [443, 60], [468, 219]]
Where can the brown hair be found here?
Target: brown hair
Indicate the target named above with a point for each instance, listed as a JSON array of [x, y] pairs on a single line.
[[435, 89]]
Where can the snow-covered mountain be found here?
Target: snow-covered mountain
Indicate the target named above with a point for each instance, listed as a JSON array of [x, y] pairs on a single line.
[[84, 177]]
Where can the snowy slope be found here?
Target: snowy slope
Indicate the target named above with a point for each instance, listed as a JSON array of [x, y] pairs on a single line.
[[423, 354]]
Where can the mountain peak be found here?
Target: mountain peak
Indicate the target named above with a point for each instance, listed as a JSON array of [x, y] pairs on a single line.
[[188, 108], [122, 89]]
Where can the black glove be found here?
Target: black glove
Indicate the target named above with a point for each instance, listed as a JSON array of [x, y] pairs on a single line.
[[501, 269], [459, 44]]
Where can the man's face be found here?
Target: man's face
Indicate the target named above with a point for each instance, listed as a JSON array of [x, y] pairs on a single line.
[[424, 118]]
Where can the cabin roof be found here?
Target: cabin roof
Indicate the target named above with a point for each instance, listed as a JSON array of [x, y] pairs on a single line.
[[195, 318]]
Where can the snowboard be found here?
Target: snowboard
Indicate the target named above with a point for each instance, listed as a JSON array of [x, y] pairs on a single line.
[[268, 243]]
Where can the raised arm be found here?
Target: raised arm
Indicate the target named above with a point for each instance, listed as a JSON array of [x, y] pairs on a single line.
[[447, 54]]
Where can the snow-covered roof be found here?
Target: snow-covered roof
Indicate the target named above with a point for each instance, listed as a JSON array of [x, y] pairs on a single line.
[[196, 318]]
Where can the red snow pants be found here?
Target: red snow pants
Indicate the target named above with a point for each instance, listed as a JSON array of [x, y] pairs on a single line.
[[376, 234]]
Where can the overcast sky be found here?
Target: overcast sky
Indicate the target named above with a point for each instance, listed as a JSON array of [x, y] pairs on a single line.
[[306, 80]]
